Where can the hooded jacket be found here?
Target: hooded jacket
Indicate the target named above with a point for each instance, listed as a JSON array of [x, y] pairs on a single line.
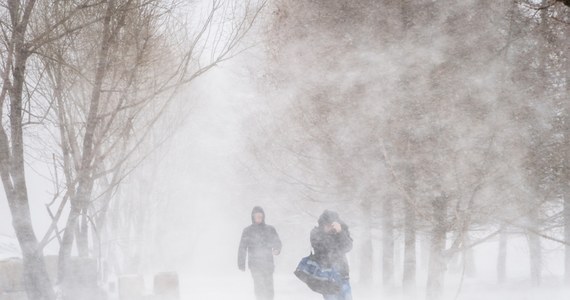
[[331, 247], [257, 243]]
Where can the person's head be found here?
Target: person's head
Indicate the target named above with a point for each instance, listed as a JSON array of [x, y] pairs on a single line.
[[327, 218], [257, 215]]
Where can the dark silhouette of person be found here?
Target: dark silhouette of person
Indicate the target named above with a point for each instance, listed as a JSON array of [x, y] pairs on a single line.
[[331, 241], [259, 242]]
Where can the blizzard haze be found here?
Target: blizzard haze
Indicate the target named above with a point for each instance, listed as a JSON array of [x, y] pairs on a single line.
[[438, 130]]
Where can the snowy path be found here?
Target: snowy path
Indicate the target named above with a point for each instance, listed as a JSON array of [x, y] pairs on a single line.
[[240, 287]]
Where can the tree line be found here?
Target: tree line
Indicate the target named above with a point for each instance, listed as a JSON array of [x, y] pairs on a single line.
[[433, 121], [84, 84]]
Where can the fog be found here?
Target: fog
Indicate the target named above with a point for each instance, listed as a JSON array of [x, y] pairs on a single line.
[[437, 130]]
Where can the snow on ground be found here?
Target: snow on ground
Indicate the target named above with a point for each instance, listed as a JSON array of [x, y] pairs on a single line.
[[287, 287]]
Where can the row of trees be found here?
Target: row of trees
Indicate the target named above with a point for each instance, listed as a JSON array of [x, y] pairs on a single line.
[[84, 84], [436, 119]]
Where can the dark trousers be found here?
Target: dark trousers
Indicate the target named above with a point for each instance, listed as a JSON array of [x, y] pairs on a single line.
[[344, 294], [263, 284]]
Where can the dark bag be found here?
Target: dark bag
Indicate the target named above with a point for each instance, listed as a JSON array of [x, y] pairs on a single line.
[[322, 280]]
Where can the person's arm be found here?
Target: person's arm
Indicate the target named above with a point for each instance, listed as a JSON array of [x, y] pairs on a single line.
[[276, 242], [317, 242], [344, 239], [242, 250]]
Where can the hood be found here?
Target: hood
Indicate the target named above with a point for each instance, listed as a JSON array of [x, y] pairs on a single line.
[[255, 210], [327, 217]]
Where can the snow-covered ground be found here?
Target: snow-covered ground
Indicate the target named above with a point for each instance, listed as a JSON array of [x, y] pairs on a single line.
[[287, 287]]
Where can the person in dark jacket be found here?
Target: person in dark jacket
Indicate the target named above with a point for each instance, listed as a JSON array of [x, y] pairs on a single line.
[[331, 241], [259, 242]]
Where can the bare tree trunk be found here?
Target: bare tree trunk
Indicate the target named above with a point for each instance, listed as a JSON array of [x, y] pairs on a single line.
[[73, 230], [366, 261], [502, 258], [437, 263], [424, 252], [409, 280], [37, 282], [535, 251], [387, 242], [12, 170], [566, 196], [83, 235], [67, 243], [535, 259], [565, 179], [85, 183], [566, 173]]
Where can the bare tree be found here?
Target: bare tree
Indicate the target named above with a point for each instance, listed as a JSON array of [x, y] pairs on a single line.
[[20, 42], [131, 82], [443, 109], [134, 70]]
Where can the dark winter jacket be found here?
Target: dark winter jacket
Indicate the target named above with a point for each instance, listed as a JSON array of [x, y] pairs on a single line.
[[331, 248], [258, 242]]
